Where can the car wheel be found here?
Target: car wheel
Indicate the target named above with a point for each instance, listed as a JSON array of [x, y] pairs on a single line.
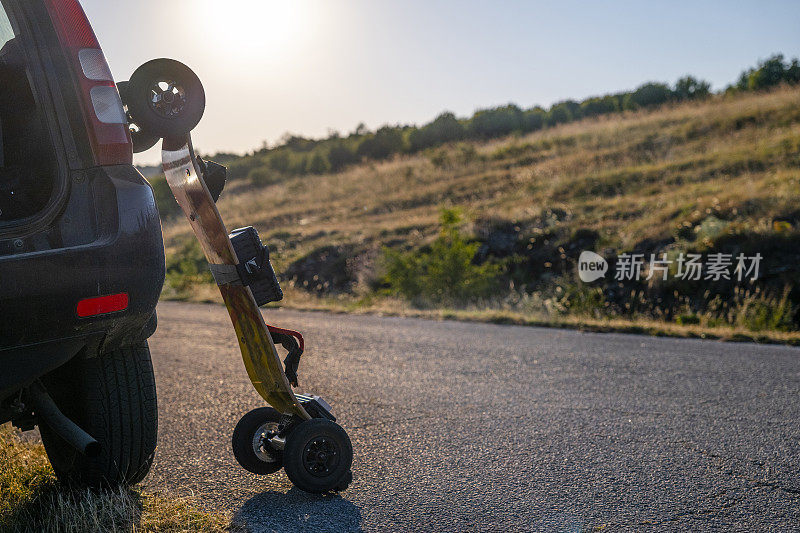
[[112, 396]]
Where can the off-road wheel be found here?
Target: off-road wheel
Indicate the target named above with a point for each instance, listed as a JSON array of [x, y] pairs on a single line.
[[250, 451], [165, 98], [318, 456], [141, 139], [112, 396]]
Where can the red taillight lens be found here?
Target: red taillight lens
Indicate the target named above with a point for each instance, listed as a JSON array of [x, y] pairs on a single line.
[[102, 108], [101, 305]]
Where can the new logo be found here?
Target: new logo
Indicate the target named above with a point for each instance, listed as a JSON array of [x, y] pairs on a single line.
[[591, 266]]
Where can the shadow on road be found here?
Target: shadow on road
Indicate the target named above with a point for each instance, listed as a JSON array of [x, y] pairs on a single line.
[[298, 511]]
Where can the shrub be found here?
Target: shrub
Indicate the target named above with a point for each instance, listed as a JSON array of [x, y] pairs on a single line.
[[385, 142], [792, 74], [688, 320], [167, 206], [600, 105], [445, 128], [297, 143], [762, 312], [298, 164], [318, 164], [769, 73], [263, 176], [648, 95], [496, 122], [534, 119], [240, 168], [340, 156], [444, 272], [187, 267], [565, 111], [279, 161], [690, 88], [580, 299]]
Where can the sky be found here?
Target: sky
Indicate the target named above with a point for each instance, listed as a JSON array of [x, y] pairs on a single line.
[[311, 66]]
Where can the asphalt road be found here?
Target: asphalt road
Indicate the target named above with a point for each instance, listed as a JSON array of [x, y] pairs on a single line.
[[460, 426]]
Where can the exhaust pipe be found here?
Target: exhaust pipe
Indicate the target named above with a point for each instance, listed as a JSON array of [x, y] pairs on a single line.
[[47, 411]]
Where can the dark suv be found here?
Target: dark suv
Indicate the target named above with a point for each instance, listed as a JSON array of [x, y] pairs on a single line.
[[81, 253]]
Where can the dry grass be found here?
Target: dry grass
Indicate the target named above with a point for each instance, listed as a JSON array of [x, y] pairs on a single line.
[[499, 312], [31, 500], [631, 177]]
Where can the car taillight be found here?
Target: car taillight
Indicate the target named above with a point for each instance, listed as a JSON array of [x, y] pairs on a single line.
[[102, 108], [102, 305]]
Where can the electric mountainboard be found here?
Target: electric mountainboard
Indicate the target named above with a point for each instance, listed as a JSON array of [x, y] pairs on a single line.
[[165, 99]]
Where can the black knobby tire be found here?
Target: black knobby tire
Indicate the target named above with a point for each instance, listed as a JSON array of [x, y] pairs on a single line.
[[183, 111], [244, 442], [141, 139], [113, 397], [302, 462]]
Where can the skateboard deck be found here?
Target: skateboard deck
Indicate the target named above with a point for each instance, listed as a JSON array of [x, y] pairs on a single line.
[[261, 359]]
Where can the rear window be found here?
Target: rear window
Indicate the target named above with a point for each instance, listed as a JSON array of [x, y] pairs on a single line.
[[28, 167], [6, 32]]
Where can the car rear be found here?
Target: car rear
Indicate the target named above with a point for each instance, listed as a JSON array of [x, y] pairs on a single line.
[[81, 253]]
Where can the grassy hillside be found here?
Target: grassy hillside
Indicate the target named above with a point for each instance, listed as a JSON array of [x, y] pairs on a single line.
[[722, 174]]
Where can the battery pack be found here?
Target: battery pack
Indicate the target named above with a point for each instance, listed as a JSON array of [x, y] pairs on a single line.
[[255, 270]]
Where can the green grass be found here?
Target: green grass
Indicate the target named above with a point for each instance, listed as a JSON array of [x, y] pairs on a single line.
[[32, 500]]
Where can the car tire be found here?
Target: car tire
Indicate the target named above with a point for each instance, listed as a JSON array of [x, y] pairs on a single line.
[[112, 396]]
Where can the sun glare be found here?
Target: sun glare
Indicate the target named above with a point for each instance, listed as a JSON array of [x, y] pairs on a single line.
[[254, 29]]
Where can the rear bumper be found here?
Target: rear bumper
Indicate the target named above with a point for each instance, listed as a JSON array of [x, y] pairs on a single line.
[[113, 234]]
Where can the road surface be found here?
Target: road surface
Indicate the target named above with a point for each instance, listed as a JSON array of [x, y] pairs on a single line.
[[460, 426]]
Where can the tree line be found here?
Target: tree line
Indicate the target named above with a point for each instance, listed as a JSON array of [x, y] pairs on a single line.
[[296, 155]]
